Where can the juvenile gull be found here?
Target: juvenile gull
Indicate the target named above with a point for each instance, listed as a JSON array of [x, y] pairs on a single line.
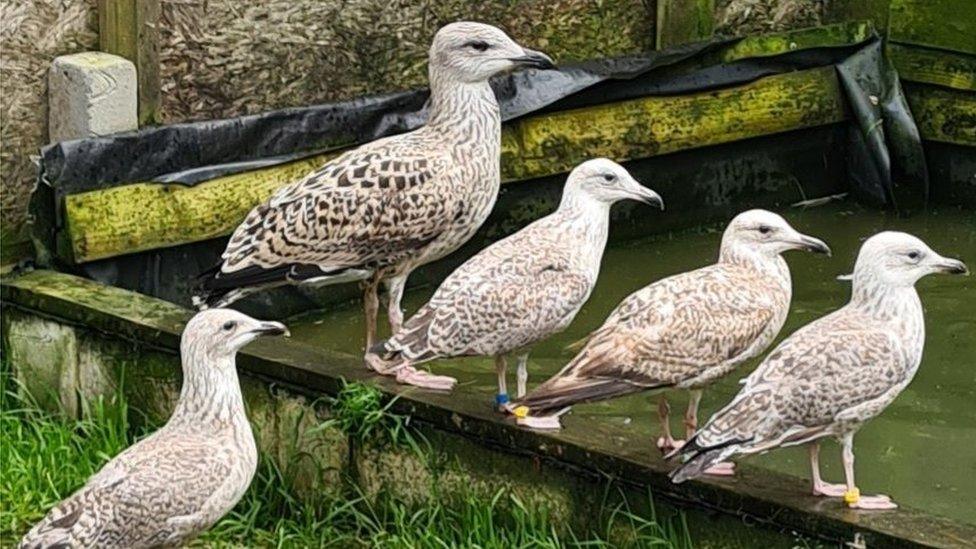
[[174, 484], [685, 331], [519, 290], [836, 373], [379, 211]]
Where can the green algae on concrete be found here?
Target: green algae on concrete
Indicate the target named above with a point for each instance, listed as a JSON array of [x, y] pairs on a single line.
[[774, 501]]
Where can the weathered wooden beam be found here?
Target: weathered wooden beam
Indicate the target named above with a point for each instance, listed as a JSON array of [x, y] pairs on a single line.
[[144, 216], [944, 115], [130, 28], [764, 45], [944, 24], [684, 21], [918, 64]]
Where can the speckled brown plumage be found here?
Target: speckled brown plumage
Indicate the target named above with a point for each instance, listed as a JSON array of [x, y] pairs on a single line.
[[688, 330], [167, 488], [834, 374], [377, 212], [523, 288]]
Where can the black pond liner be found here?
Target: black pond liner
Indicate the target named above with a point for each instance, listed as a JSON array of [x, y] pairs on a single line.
[[884, 156]]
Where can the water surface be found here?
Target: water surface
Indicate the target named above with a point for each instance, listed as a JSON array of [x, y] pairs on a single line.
[[921, 450]]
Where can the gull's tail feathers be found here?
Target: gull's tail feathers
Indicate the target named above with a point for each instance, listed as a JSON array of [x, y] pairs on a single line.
[[591, 376], [411, 345], [218, 288]]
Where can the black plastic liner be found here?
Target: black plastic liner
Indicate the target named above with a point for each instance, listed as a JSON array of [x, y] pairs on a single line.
[[884, 154]]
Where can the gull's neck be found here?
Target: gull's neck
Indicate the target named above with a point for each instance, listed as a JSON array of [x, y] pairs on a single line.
[[769, 264], [461, 106], [586, 225], [211, 394], [884, 301]]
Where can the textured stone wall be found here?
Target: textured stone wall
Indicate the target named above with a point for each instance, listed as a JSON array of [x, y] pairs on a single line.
[[224, 58], [32, 34]]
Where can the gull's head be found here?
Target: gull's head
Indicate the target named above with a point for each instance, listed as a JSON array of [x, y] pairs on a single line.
[[474, 52], [223, 332], [900, 259], [769, 234], [608, 182]]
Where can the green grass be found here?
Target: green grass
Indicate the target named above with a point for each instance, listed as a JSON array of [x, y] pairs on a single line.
[[44, 457]]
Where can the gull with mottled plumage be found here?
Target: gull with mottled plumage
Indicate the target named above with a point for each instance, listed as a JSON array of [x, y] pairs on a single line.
[[685, 331], [519, 290], [834, 374], [177, 482], [378, 212]]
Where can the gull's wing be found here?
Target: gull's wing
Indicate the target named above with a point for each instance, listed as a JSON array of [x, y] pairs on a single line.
[[666, 333], [129, 501], [370, 207], [511, 294], [809, 383]]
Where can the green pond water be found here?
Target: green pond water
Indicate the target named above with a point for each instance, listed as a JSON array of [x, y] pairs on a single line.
[[921, 451]]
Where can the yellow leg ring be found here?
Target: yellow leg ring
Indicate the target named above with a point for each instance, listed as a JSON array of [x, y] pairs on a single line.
[[852, 496], [521, 412]]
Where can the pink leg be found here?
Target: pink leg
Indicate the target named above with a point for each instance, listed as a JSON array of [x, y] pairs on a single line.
[[371, 304], [821, 488], [394, 292], [852, 496], [666, 443]]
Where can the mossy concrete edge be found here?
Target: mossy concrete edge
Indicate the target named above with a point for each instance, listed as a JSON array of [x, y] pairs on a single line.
[[762, 497]]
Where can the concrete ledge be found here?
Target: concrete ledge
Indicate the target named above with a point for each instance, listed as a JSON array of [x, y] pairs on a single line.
[[763, 498]]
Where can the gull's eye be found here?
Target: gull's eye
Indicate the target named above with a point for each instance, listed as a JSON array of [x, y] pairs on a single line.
[[914, 255], [478, 45], [229, 325], [765, 229], [609, 177]]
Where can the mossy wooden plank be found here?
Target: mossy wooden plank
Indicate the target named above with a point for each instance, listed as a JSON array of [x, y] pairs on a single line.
[[145, 216], [917, 64], [944, 24], [840, 34], [684, 21], [944, 115], [658, 125], [130, 28]]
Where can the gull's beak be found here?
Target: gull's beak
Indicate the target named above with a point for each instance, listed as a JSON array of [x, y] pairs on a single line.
[[271, 329], [951, 266], [811, 244], [643, 194], [533, 59]]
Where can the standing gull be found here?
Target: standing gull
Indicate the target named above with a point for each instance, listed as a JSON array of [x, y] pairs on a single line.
[[378, 212], [519, 290], [685, 331], [836, 373], [174, 484]]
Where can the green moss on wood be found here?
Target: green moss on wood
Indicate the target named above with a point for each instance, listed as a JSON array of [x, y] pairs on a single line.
[[776, 43], [951, 70], [659, 125], [684, 21], [944, 115], [944, 24], [146, 216]]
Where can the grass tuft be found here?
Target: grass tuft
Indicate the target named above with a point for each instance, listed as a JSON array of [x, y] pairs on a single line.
[[44, 457]]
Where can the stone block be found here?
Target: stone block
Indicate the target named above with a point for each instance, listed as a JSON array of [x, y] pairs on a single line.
[[91, 94], [44, 355]]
